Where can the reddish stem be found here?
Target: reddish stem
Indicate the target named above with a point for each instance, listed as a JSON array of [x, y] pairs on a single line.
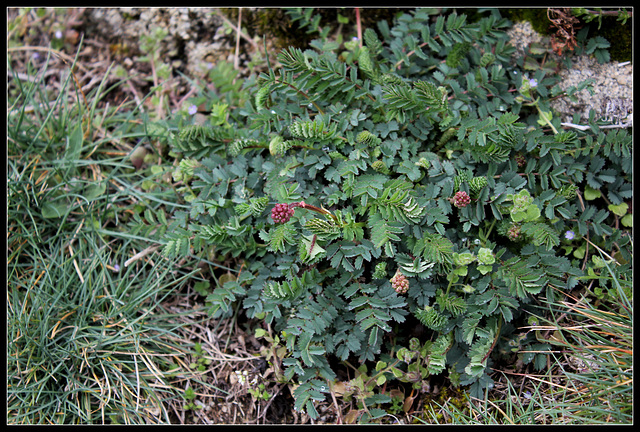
[[359, 26], [304, 205]]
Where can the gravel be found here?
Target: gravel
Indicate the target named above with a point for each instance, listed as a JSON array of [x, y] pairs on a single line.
[[612, 88], [204, 39]]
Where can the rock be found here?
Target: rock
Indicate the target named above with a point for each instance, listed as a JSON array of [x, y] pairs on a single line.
[[198, 39], [188, 29], [612, 80]]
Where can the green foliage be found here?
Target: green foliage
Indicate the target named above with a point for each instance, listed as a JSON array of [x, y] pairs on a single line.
[[76, 273], [457, 53], [367, 147], [315, 130], [431, 318], [613, 27], [197, 140], [286, 290]]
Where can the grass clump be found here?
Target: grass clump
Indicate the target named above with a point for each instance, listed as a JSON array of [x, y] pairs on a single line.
[[88, 341]]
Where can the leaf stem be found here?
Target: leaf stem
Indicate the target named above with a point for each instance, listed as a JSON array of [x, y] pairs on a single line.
[[322, 210]]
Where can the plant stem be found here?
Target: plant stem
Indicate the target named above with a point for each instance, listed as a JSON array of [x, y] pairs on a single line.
[[359, 26], [236, 58], [323, 211]]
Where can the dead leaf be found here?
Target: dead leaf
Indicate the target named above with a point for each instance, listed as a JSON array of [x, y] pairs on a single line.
[[352, 416], [408, 402], [339, 388]]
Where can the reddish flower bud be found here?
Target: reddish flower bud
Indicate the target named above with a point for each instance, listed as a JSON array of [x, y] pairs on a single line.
[[281, 213], [400, 283], [514, 232], [460, 199]]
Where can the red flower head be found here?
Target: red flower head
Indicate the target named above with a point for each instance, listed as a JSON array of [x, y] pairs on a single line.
[[281, 213], [400, 283], [460, 199]]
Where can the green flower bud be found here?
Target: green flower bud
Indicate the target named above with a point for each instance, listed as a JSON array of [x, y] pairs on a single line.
[[485, 256], [463, 259]]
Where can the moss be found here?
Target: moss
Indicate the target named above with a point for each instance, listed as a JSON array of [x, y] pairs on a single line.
[[618, 35], [536, 16], [276, 24], [453, 400], [370, 17]]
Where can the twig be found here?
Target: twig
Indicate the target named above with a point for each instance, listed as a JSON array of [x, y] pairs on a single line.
[[614, 13], [584, 128], [156, 86], [412, 52], [266, 407], [141, 254], [57, 53], [535, 377], [603, 252], [243, 35], [338, 410], [187, 96], [359, 26], [494, 341], [135, 95], [236, 59]]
